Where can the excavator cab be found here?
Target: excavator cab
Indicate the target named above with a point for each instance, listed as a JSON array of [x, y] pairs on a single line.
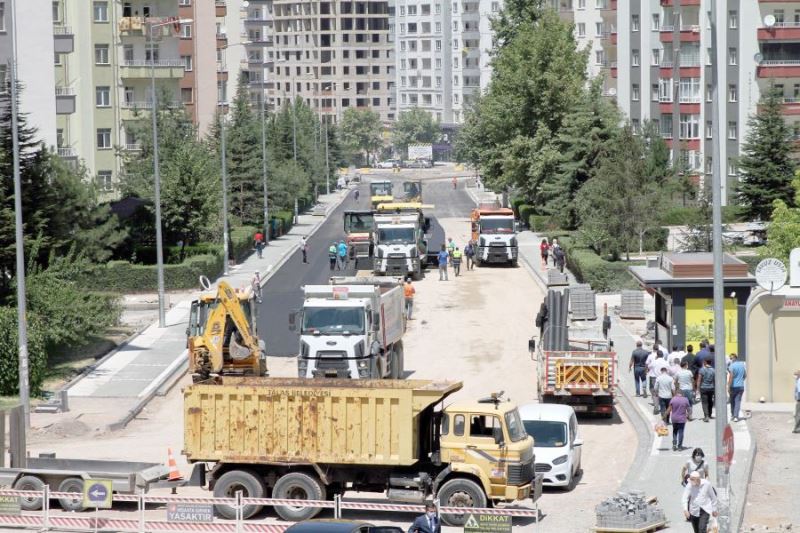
[[222, 336]]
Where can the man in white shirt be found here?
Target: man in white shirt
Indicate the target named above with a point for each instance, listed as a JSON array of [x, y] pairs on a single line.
[[699, 502], [655, 362]]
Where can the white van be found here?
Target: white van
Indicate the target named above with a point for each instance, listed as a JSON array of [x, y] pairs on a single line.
[[556, 442]]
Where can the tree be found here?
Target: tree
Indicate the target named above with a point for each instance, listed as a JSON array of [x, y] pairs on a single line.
[[783, 232], [514, 15], [289, 181], [414, 126], [621, 202], [243, 147], [766, 169], [360, 134]]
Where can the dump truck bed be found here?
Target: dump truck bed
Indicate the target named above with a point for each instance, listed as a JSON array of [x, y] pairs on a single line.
[[292, 420]]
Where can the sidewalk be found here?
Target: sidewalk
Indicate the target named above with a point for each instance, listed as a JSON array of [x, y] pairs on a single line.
[[656, 468], [130, 376]]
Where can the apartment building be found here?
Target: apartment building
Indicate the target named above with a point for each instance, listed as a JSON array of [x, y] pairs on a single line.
[[333, 55]]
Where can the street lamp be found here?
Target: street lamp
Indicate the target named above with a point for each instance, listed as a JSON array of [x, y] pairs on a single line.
[[156, 170]]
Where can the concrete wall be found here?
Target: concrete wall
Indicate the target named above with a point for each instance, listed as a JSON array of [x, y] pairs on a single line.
[[785, 358]]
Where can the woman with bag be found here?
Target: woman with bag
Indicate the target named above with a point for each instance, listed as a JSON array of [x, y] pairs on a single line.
[[696, 463]]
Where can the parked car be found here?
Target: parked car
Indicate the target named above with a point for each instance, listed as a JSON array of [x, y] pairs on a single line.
[[389, 163], [421, 162], [339, 526], [556, 442]]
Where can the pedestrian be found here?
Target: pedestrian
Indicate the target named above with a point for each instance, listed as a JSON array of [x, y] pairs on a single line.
[[705, 380], [332, 253], [427, 523], [258, 243], [677, 413], [691, 360], [408, 292], [560, 258], [674, 365], [797, 401], [356, 194], [702, 353], [661, 349], [451, 246], [737, 373], [654, 365], [696, 463], [456, 260], [304, 248], [455, 182], [639, 366], [684, 382], [469, 253], [544, 250], [665, 390], [341, 251], [443, 256], [256, 286], [699, 502]]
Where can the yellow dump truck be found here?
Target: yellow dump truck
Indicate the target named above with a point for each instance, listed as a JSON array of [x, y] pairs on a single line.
[[295, 438]]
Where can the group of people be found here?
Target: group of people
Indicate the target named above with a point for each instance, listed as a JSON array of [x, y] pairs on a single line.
[[552, 250], [453, 255], [337, 255]]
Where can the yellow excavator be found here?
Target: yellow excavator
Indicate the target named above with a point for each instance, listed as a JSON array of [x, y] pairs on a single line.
[[222, 336]]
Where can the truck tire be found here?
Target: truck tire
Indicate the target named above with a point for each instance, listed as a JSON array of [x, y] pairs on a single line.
[[460, 492], [244, 481], [514, 263], [72, 484], [298, 486], [397, 369], [30, 503]]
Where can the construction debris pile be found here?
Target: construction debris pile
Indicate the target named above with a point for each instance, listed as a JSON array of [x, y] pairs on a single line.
[[629, 511]]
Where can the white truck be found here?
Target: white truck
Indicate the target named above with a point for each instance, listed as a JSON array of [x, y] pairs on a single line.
[[352, 328], [495, 233], [400, 243]]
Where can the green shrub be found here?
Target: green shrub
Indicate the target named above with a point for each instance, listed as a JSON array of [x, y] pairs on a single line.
[[125, 277], [9, 356], [242, 239], [751, 260], [525, 211], [679, 216], [541, 223], [588, 267], [284, 220], [515, 203]]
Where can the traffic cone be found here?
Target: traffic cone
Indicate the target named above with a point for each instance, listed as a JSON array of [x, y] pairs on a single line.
[[174, 473]]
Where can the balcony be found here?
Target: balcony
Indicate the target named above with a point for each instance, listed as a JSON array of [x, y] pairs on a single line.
[[778, 68], [63, 40], [132, 147], [221, 8], [613, 69], [139, 25], [222, 40], [668, 3], [161, 69], [67, 152], [65, 100], [781, 31], [688, 33]]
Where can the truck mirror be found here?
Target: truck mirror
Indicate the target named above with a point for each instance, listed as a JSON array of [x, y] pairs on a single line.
[[516, 226], [376, 320], [292, 321], [427, 224], [532, 345], [498, 437]]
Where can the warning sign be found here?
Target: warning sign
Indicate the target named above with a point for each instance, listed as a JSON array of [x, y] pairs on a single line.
[[10, 505], [484, 523], [190, 512]]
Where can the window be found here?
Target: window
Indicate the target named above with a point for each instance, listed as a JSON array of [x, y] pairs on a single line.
[[581, 4], [733, 19], [402, 46], [634, 22], [654, 92], [732, 93], [455, 7], [455, 98], [656, 22], [458, 426], [656, 57], [101, 11], [445, 424], [635, 92], [581, 26], [634, 58], [2, 16], [185, 2], [129, 95], [438, 63], [438, 9], [599, 57], [151, 52], [485, 426], [666, 126], [665, 90], [104, 138], [455, 25], [732, 130], [709, 92], [689, 126], [104, 182], [689, 90], [495, 7], [598, 29], [56, 58], [709, 129], [438, 81], [402, 11], [56, 12], [187, 95], [101, 54], [403, 64], [102, 96], [732, 56], [732, 171], [186, 31], [438, 27], [187, 63], [412, 10], [438, 46], [635, 126]]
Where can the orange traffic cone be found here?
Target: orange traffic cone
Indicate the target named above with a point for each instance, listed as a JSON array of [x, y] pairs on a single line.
[[174, 473]]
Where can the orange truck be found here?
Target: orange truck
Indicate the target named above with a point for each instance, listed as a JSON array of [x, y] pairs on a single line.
[[494, 232]]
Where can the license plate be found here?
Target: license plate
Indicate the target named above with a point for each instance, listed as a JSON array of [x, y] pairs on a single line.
[[580, 408]]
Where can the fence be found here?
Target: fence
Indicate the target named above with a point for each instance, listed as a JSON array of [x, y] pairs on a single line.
[[45, 519]]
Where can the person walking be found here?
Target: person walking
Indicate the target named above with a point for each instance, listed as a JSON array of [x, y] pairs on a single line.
[[797, 401], [256, 286], [639, 366], [356, 194], [455, 182], [443, 257], [332, 253], [654, 365], [408, 292], [469, 253], [451, 246], [677, 413], [696, 463], [456, 260], [304, 248], [684, 382], [427, 523], [341, 252], [737, 373], [690, 359], [258, 242], [665, 390], [699, 502], [702, 354], [706, 378], [559, 258], [544, 250]]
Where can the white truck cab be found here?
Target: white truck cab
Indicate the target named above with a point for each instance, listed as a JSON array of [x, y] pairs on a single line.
[[495, 234], [400, 244]]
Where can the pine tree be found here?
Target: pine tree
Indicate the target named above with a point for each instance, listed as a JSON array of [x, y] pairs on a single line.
[[243, 146], [765, 167]]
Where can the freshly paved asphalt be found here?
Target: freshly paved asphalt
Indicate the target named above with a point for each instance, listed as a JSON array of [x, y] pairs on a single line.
[[283, 292]]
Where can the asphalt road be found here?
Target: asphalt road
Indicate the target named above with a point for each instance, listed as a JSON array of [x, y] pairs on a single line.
[[283, 292]]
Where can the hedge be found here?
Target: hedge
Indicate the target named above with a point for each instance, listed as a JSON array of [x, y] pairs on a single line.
[[242, 241], [515, 203], [9, 356], [282, 222], [683, 216], [588, 267], [525, 211], [541, 223]]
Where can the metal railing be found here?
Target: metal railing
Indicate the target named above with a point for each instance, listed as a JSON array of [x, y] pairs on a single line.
[[133, 147], [158, 63], [66, 151], [62, 30], [65, 91], [779, 62]]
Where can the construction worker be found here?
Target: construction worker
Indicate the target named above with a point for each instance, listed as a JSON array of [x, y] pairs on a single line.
[[457, 254], [408, 292], [342, 252], [451, 246], [332, 252]]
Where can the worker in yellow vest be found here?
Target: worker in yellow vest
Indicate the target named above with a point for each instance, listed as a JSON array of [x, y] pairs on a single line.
[[456, 260]]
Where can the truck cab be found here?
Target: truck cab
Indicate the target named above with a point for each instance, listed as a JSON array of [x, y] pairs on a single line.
[[495, 233], [358, 227], [401, 245], [380, 191]]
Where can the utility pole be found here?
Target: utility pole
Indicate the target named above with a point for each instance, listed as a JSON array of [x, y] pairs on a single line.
[[720, 388], [22, 324], [157, 180], [264, 162], [224, 189], [327, 163]]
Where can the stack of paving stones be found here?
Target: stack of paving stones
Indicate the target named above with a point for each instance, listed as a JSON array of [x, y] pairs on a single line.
[[780, 528], [628, 511]]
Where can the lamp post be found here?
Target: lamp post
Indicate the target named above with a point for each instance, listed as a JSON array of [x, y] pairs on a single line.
[[157, 171], [327, 167]]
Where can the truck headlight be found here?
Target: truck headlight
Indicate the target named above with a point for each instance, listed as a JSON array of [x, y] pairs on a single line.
[[560, 460], [363, 364]]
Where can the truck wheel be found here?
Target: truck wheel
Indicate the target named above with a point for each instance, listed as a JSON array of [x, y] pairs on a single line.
[[397, 363], [460, 492], [298, 486], [72, 484], [244, 481], [514, 263], [30, 503]]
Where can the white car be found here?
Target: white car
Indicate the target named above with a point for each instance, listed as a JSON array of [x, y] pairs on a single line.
[[556, 442], [390, 163]]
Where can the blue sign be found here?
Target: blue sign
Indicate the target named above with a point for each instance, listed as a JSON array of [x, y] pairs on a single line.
[[97, 493]]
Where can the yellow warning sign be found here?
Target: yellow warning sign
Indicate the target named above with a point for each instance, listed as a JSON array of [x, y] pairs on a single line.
[[485, 523]]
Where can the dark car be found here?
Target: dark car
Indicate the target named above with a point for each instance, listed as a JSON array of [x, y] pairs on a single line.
[[339, 526]]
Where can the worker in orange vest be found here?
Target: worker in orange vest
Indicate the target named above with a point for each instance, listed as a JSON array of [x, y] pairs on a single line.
[[408, 292]]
